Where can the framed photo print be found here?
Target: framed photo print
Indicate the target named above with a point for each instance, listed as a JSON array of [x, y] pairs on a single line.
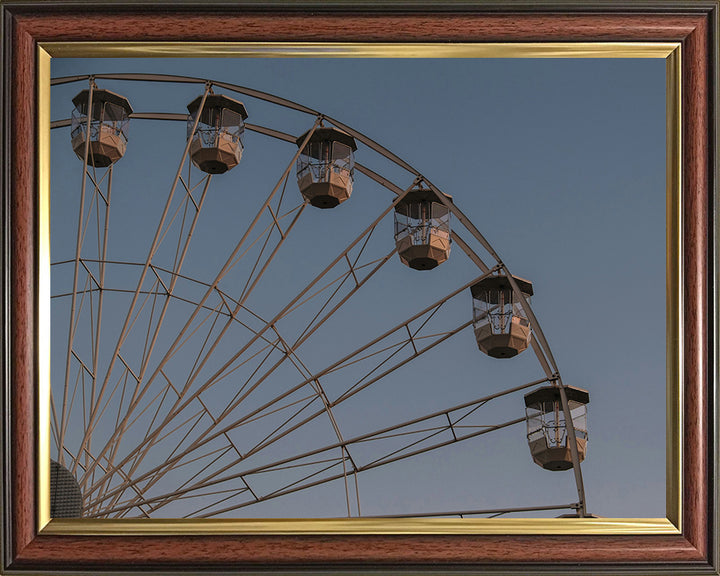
[[313, 287]]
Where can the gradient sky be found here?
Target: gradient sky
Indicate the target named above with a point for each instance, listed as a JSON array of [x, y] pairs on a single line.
[[559, 163]]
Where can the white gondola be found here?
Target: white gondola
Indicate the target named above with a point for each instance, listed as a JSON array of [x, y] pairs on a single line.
[[547, 432], [109, 119], [325, 167], [422, 229], [501, 328], [217, 142]]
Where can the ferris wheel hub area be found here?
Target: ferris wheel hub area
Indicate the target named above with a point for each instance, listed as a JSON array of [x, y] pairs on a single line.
[[65, 496]]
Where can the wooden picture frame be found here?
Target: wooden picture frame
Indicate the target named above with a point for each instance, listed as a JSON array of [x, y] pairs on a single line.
[[32, 546]]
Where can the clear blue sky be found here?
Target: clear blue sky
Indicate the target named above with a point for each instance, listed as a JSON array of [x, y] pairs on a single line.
[[559, 163]]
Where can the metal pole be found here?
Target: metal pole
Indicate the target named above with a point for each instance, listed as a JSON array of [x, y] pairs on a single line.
[[176, 342], [78, 248], [572, 439], [123, 332]]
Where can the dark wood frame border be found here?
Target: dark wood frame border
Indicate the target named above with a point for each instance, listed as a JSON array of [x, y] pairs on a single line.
[[693, 23]]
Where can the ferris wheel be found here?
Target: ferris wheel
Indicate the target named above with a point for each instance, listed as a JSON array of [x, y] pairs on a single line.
[[222, 340]]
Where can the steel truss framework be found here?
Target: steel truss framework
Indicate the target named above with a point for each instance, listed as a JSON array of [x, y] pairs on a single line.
[[140, 435]]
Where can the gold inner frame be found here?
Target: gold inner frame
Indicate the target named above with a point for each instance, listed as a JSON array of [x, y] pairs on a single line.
[[674, 311]]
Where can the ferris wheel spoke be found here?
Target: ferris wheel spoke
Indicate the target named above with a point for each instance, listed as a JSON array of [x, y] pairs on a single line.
[[353, 268], [189, 189], [194, 418], [452, 425], [156, 474], [282, 430], [210, 478], [234, 258], [345, 453], [153, 248], [231, 493], [253, 277], [406, 451], [137, 454], [255, 499], [166, 499], [303, 483], [88, 507], [121, 404], [490, 513], [150, 440], [210, 290], [411, 341], [338, 281], [181, 208], [172, 463], [129, 485], [68, 403], [190, 399], [106, 490], [387, 458], [211, 433], [318, 390], [305, 372], [102, 251], [54, 424], [232, 446], [394, 456], [181, 251], [349, 360], [122, 385], [312, 380], [446, 420], [266, 234], [180, 255], [227, 366], [205, 412], [160, 500], [89, 429], [82, 226], [299, 297]]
